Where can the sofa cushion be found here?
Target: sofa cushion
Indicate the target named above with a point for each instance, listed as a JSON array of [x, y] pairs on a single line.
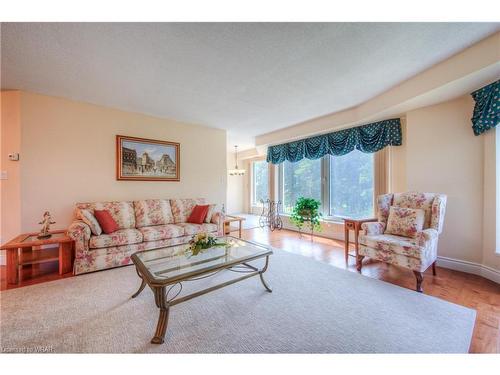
[[190, 229], [210, 213], [160, 232], [406, 222], [181, 208], [88, 218], [152, 212], [118, 238], [106, 221], [198, 214], [122, 212]]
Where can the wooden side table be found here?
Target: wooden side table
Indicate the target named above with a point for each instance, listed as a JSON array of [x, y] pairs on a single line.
[[231, 219], [26, 249], [354, 225]]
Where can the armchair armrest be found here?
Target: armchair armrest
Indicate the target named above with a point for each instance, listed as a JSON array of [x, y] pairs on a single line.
[[79, 232], [373, 228], [427, 235]]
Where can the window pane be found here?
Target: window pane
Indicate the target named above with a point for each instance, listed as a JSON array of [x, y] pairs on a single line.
[[260, 181], [352, 184], [300, 179]]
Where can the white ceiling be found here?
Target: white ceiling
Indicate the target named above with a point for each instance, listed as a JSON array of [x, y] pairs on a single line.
[[248, 78]]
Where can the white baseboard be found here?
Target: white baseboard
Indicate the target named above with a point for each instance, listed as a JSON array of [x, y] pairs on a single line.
[[469, 267]]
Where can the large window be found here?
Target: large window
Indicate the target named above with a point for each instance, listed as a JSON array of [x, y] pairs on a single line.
[[301, 179], [343, 184], [260, 186], [351, 184]]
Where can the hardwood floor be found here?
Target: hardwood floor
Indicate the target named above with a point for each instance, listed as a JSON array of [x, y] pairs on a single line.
[[453, 286]]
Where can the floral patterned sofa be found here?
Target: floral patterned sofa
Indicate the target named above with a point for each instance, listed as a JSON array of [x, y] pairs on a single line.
[[416, 252], [144, 224]]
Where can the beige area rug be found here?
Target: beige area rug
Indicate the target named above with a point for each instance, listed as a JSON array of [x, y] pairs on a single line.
[[314, 308]]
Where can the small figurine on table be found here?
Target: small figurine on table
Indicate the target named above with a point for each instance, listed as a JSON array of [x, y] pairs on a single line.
[[46, 222]]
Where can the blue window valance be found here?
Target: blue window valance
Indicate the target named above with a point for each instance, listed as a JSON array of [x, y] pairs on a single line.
[[487, 109], [366, 138]]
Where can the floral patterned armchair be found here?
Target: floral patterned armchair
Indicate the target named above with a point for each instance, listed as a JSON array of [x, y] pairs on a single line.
[[418, 250]]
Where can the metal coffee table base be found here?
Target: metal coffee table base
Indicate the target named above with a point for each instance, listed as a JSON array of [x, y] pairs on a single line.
[[163, 302]]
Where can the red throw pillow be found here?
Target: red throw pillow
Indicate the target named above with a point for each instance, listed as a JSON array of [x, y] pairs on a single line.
[[198, 214], [106, 221]]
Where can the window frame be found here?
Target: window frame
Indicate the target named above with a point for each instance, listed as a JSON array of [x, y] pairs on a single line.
[[325, 188]]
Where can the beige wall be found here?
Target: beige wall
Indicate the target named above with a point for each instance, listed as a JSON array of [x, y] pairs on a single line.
[[239, 187], [235, 188], [10, 134], [491, 226], [443, 156], [68, 156]]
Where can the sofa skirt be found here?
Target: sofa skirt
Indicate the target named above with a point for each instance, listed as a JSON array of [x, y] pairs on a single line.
[[111, 257]]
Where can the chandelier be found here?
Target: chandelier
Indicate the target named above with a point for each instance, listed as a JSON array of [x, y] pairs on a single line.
[[236, 171]]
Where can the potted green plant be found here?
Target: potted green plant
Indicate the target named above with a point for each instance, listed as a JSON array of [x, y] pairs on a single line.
[[306, 212]]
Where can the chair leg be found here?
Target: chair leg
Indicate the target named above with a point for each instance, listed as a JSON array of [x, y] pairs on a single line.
[[420, 278], [434, 268], [359, 262]]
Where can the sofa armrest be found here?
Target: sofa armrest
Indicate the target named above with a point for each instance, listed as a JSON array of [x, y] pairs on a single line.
[[79, 232], [373, 228], [218, 218], [426, 236]]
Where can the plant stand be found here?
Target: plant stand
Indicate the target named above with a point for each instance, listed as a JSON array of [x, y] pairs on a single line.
[[312, 230], [270, 215]]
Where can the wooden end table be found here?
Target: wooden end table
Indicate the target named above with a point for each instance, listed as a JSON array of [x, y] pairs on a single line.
[[231, 219], [353, 224], [28, 249]]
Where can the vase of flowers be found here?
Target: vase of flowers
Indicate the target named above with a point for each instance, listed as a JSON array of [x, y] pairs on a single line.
[[202, 241]]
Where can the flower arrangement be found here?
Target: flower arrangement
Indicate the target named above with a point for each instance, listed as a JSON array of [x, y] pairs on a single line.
[[202, 241]]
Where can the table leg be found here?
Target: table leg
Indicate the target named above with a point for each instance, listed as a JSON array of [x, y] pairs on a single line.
[[261, 272], [239, 231], [12, 262], [346, 243], [356, 245], [161, 326], [65, 257], [141, 288]]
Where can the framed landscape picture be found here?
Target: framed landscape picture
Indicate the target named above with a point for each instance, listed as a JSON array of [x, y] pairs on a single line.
[[143, 159]]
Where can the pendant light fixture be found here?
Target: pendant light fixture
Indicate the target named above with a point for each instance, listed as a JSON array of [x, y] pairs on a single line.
[[236, 171]]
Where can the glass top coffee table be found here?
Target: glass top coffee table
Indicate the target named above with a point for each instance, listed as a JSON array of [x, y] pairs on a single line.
[[165, 269]]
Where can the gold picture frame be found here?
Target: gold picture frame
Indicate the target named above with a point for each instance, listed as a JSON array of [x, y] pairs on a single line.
[[142, 159]]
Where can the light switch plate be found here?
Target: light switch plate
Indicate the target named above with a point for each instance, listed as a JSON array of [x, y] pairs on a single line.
[[14, 156], [3, 175]]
